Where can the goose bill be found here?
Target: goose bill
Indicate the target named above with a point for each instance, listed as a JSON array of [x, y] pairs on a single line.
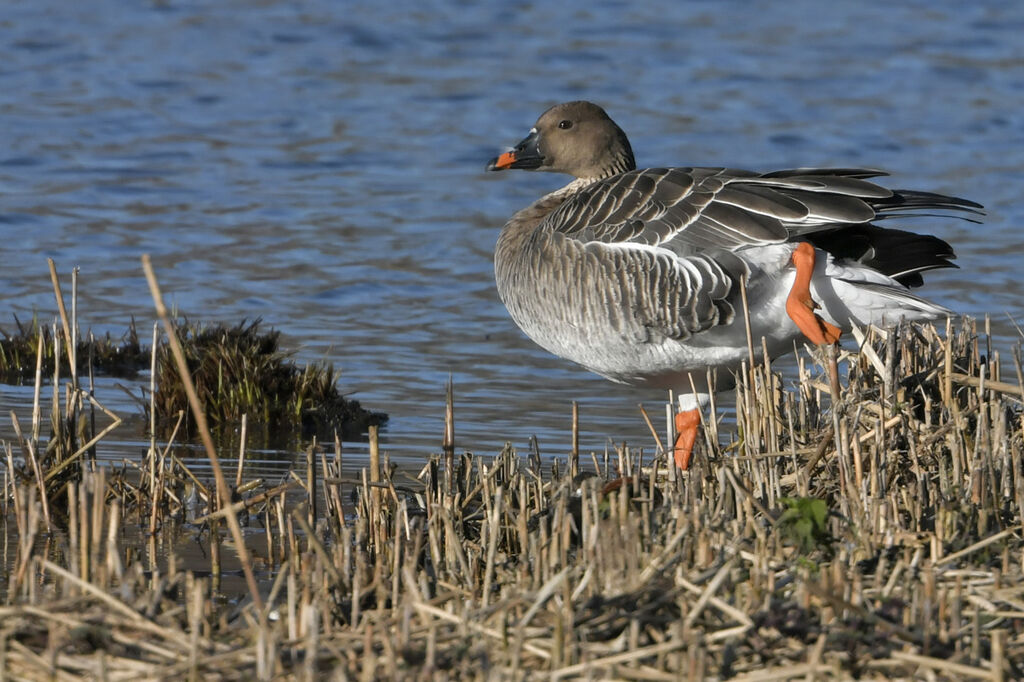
[[526, 155]]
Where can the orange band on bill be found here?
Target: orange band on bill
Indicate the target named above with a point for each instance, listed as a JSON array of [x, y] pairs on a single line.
[[505, 160]]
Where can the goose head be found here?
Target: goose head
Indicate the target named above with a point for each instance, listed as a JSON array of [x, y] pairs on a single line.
[[576, 138]]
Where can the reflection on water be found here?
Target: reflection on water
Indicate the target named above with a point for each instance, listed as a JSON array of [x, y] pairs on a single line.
[[320, 165]]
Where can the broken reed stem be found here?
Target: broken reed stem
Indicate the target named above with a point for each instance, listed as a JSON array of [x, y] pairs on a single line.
[[574, 453], [73, 331], [152, 407], [241, 451], [659, 447], [64, 322], [53, 471], [91, 394], [247, 503], [37, 388], [448, 442], [156, 490], [832, 353], [37, 470], [374, 454], [746, 325], [311, 482], [204, 433]]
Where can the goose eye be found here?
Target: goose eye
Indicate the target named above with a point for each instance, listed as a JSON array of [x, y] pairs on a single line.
[[565, 125]]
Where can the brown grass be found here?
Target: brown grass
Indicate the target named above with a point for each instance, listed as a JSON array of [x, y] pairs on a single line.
[[880, 539]]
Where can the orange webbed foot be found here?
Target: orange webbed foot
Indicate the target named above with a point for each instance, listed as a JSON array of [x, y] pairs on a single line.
[[799, 304]]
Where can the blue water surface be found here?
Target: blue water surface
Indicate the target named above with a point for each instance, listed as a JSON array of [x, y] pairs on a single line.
[[319, 164]]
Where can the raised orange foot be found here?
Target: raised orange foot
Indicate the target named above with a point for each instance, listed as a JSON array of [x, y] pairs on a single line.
[[799, 304]]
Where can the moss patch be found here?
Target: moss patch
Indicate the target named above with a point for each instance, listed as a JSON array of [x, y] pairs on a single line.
[[242, 370]]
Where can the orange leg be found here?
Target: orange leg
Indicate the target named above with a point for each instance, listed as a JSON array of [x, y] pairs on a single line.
[[800, 305], [687, 424]]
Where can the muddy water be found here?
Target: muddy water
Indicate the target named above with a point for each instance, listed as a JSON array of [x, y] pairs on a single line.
[[320, 165]]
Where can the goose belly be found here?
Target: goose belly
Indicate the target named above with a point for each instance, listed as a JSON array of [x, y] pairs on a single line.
[[595, 324]]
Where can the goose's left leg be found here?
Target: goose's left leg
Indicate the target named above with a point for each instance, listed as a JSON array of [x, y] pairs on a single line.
[[687, 424]]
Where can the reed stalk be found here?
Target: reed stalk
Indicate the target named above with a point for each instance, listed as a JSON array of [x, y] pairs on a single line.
[[204, 432]]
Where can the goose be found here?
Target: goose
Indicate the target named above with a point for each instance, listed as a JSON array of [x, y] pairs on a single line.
[[636, 274]]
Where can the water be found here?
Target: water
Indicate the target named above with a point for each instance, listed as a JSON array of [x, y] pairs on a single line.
[[320, 165]]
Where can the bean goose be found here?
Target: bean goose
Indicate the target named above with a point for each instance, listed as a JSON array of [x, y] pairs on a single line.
[[636, 274]]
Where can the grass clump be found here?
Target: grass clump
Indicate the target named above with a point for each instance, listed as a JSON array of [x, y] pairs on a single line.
[[124, 357], [237, 370], [242, 370]]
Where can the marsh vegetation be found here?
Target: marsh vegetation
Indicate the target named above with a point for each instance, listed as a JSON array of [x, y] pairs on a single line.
[[872, 534]]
